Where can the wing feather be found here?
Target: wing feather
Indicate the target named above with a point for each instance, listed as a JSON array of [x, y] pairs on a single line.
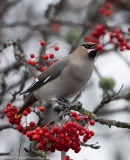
[[48, 75]]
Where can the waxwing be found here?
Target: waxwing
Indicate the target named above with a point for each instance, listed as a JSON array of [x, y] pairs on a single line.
[[63, 78]]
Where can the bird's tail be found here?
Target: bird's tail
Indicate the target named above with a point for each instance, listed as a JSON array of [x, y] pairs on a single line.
[[28, 102]]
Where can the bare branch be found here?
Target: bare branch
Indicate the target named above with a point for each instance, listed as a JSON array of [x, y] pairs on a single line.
[[106, 99], [7, 126], [7, 153], [78, 107], [90, 145]]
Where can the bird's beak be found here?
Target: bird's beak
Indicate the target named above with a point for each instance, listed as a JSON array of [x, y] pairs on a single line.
[[93, 51]]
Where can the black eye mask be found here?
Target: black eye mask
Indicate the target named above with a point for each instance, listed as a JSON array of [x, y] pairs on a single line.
[[89, 46]]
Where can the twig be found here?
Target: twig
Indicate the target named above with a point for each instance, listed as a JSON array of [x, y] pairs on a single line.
[[7, 153], [41, 119], [5, 45], [7, 126], [63, 154], [19, 149], [24, 79], [106, 99], [90, 145]]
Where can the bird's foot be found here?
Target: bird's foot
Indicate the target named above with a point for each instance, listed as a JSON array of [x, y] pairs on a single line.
[[64, 103]]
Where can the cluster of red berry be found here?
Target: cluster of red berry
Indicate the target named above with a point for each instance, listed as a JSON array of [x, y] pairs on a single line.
[[96, 33], [56, 138], [85, 118], [107, 9], [61, 139], [118, 39], [11, 111], [45, 56]]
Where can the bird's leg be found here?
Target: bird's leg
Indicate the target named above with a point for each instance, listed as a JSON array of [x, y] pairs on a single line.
[[63, 103]]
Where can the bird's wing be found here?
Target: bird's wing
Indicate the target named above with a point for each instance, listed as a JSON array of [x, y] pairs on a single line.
[[51, 73]]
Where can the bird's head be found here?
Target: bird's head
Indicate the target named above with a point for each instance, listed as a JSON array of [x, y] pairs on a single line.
[[90, 49]]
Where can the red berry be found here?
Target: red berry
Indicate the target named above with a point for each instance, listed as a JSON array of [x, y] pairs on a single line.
[[45, 129], [112, 35], [9, 104], [66, 158], [9, 108], [42, 108], [45, 57], [124, 43], [32, 55], [121, 48], [35, 137], [5, 111], [128, 47], [38, 129], [43, 69], [88, 136], [42, 43], [99, 47], [34, 132], [55, 128], [74, 114], [62, 135], [92, 133], [82, 132], [51, 55], [85, 118], [34, 62], [28, 110], [102, 9], [29, 133], [41, 133], [40, 146], [109, 13], [92, 122], [56, 48], [51, 63], [9, 115], [117, 31], [52, 132], [20, 128], [46, 135], [12, 121], [25, 113], [29, 61], [77, 118], [44, 141], [17, 121], [15, 109], [85, 139], [32, 124]]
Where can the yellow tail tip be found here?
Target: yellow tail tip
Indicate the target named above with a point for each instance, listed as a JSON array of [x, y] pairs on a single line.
[[17, 115]]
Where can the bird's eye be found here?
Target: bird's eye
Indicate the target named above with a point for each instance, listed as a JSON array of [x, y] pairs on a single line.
[[85, 46]]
